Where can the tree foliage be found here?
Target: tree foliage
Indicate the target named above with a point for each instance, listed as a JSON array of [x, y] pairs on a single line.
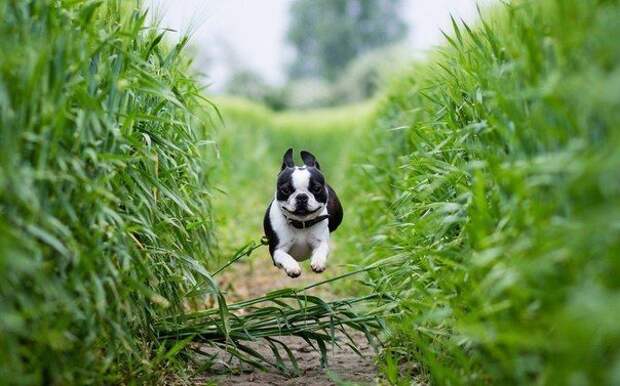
[[328, 34]]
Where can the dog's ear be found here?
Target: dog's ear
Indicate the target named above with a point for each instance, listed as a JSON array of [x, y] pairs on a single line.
[[287, 160], [309, 159]]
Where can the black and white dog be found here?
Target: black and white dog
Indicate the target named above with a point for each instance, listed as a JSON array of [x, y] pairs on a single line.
[[301, 216]]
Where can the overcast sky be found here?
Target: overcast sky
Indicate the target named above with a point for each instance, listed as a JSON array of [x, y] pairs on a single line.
[[252, 33]]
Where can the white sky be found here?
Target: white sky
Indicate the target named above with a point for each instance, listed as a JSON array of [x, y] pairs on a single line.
[[252, 33]]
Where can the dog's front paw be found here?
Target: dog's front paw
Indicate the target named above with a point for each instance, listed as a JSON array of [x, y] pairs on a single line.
[[318, 264], [293, 270]]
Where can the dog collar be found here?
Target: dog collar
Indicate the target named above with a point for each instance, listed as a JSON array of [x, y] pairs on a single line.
[[306, 224]]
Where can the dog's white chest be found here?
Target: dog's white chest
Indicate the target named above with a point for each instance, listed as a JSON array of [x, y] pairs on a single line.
[[298, 243], [302, 242], [300, 249]]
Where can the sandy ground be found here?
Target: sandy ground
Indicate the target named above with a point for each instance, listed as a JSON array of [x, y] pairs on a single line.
[[259, 276]]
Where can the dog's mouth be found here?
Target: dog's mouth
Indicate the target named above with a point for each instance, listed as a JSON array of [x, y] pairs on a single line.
[[302, 211]]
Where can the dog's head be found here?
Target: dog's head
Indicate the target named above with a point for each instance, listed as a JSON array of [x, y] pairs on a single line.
[[301, 192]]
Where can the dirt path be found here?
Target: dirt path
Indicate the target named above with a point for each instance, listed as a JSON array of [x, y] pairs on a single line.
[[257, 277]]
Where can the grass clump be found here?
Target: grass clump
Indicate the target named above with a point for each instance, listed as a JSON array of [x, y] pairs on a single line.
[[104, 202], [494, 173], [236, 330]]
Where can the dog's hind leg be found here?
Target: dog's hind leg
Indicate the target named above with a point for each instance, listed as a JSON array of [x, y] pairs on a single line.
[[286, 262]]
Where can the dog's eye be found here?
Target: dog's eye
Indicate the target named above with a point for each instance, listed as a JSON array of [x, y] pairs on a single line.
[[317, 189], [285, 190]]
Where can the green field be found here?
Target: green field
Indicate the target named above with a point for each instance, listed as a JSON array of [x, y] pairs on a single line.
[[483, 189]]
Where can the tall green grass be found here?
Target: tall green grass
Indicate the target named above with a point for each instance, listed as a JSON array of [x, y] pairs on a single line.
[[104, 204], [493, 172]]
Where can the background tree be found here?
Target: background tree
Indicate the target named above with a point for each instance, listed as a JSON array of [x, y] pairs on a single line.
[[327, 34]]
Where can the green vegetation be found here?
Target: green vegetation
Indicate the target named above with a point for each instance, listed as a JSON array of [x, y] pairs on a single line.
[[494, 175], [103, 195], [231, 328]]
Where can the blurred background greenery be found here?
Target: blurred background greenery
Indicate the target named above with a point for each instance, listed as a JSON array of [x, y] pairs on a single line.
[[309, 54]]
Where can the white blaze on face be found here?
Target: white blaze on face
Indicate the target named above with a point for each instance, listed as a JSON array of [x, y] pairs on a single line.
[[301, 180]]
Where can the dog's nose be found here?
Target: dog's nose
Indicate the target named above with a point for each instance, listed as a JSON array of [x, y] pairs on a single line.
[[302, 197]]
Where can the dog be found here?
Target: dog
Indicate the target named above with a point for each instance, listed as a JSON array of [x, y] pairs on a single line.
[[301, 216]]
